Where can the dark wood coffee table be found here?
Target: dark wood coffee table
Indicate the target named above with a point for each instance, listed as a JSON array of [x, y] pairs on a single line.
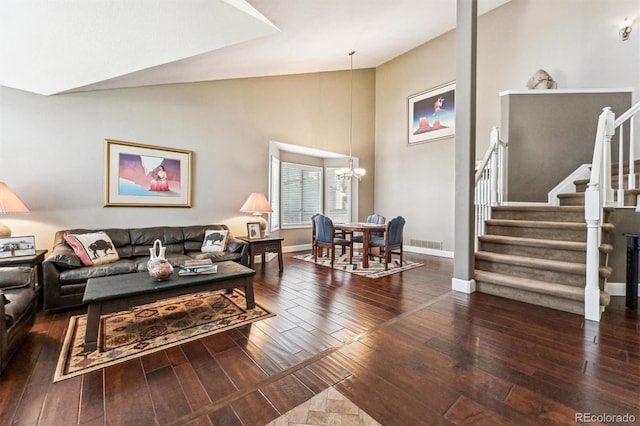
[[114, 293]]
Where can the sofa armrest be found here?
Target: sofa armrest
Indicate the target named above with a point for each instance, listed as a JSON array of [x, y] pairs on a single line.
[[16, 277], [238, 246]]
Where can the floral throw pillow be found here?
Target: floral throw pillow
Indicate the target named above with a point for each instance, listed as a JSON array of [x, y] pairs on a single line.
[[214, 241], [93, 249]]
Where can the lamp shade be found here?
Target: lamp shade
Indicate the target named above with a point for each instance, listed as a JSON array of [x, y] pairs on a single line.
[[256, 203], [9, 201]]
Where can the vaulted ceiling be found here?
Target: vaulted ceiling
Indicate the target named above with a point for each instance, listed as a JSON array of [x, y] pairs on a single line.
[[57, 46]]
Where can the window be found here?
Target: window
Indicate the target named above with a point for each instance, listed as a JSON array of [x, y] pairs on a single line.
[[274, 193], [300, 193], [338, 197]]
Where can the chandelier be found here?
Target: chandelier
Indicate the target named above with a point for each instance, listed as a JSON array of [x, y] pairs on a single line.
[[349, 172]]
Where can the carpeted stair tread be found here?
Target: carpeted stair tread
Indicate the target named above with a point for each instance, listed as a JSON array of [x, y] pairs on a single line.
[[540, 264], [535, 242], [536, 286], [554, 265], [536, 224], [544, 224], [543, 207]]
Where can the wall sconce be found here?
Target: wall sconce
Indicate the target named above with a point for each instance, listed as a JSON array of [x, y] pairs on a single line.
[[625, 28]]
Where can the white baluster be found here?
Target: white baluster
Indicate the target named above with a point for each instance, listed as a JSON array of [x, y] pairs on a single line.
[[621, 166], [632, 156]]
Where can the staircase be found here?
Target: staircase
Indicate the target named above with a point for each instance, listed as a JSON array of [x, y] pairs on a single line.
[[537, 254]]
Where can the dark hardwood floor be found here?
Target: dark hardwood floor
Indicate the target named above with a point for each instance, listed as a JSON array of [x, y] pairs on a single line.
[[404, 348]]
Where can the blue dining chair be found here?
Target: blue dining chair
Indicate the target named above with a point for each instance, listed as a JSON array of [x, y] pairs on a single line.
[[391, 241], [313, 234], [374, 218], [326, 238]]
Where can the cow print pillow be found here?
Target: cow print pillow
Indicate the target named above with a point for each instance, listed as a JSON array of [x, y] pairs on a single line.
[[93, 249], [214, 241]]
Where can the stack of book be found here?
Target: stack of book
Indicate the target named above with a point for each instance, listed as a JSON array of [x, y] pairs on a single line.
[[198, 267]]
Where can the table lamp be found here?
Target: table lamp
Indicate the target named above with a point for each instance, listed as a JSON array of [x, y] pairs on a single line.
[[257, 204], [9, 203]]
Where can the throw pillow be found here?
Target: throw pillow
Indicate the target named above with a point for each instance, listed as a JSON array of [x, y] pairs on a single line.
[[214, 241], [95, 248]]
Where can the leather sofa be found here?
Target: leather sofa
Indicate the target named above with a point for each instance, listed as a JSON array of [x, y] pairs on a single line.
[[65, 277], [18, 306]]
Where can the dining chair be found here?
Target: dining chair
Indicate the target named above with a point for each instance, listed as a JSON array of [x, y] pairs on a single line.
[[326, 238], [374, 218], [391, 241], [313, 234]]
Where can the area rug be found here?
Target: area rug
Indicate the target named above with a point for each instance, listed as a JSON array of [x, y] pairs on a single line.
[[153, 327], [375, 269], [329, 407]]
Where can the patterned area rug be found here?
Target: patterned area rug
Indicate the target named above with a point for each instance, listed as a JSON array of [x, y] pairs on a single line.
[[329, 407], [375, 269], [153, 327]]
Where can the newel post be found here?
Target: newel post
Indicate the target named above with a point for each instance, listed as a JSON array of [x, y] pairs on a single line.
[[592, 288], [605, 179]]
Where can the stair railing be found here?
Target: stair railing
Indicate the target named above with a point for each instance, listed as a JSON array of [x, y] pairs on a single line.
[[599, 194], [490, 180]]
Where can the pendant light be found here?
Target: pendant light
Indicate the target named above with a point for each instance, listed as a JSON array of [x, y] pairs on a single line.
[[349, 172]]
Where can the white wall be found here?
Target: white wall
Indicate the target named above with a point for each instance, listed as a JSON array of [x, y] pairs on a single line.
[[52, 148], [576, 41]]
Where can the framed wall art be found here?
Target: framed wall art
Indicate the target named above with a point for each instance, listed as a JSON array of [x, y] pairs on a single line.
[[17, 246], [432, 114], [139, 175]]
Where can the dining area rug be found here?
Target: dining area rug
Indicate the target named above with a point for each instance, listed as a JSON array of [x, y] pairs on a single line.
[[153, 327], [375, 269]]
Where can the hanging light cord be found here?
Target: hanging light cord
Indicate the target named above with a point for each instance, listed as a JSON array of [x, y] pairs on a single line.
[[351, 108]]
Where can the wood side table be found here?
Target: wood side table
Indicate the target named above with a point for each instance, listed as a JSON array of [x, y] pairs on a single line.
[[261, 246], [32, 261]]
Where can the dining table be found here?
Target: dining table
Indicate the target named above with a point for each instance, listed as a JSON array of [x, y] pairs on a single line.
[[367, 229]]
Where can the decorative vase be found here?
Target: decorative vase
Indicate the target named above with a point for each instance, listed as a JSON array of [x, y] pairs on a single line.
[[159, 267]]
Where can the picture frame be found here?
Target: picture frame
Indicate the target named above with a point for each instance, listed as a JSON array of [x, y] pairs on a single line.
[[253, 230], [431, 114], [138, 175], [17, 246]]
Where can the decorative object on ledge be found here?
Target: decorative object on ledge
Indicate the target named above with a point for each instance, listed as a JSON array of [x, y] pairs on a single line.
[[541, 80], [9, 203], [349, 172], [432, 114], [625, 28], [257, 204], [146, 176]]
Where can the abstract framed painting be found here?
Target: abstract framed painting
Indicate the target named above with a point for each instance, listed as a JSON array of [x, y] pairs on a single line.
[[432, 114], [139, 175]]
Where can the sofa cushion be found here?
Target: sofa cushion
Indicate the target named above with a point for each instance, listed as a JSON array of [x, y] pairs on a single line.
[[214, 241], [81, 275], [94, 248]]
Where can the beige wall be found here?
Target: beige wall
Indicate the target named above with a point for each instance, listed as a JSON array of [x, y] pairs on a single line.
[[51, 148], [576, 41]]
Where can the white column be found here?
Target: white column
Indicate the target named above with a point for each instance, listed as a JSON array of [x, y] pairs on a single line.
[[465, 145]]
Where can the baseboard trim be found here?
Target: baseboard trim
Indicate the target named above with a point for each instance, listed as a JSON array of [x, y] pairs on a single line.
[[299, 247], [431, 252], [618, 289], [463, 286]]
